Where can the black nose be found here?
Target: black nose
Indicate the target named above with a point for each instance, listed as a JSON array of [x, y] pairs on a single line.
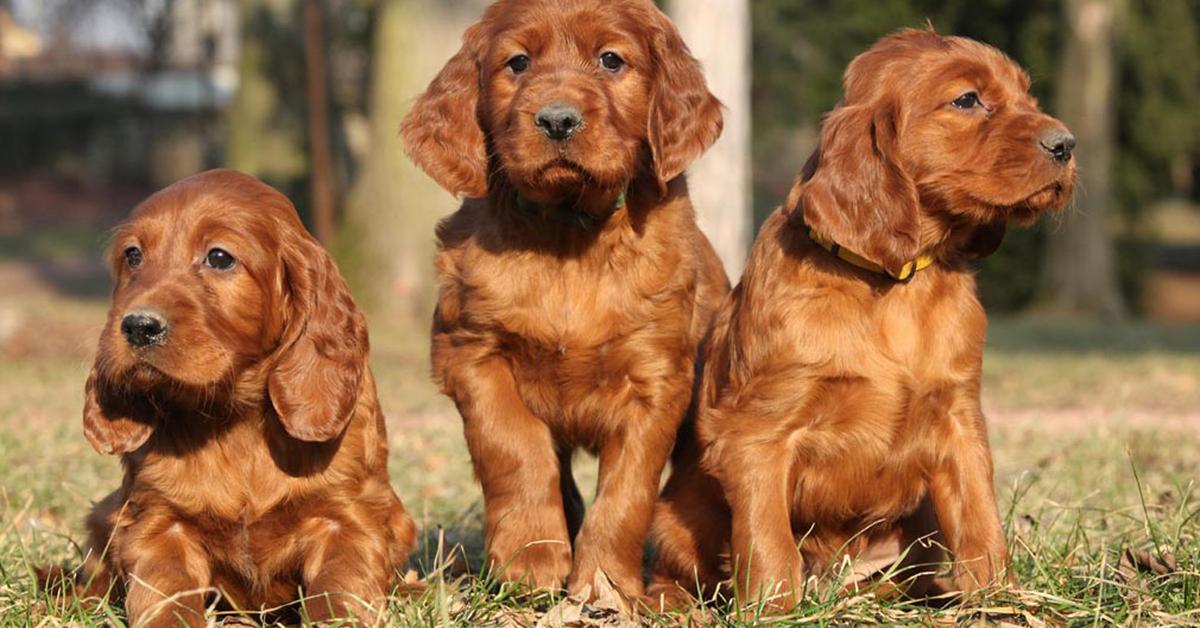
[[143, 328], [559, 122], [1060, 144]]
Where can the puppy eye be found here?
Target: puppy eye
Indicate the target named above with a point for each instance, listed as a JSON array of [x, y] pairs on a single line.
[[519, 64], [219, 259], [612, 61], [133, 257], [969, 100]]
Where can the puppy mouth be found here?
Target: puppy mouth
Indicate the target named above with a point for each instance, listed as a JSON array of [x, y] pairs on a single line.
[[149, 370], [555, 178], [1026, 210], [144, 375], [1052, 196], [562, 166]]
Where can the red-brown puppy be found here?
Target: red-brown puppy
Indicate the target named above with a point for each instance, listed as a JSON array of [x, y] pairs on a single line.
[[232, 378], [839, 407], [574, 283]]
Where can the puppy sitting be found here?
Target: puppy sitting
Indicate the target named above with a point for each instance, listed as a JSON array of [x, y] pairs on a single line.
[[232, 379], [839, 409], [575, 285]]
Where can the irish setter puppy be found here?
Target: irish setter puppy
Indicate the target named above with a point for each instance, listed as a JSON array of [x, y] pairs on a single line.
[[232, 379], [839, 408], [575, 285]]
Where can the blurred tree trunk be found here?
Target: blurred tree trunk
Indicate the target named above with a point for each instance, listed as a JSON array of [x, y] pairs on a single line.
[[718, 32], [320, 150], [387, 243], [256, 143], [1080, 275]]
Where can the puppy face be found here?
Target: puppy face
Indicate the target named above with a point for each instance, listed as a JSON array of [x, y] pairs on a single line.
[[563, 97], [974, 138], [567, 111], [222, 298], [937, 141], [197, 293]]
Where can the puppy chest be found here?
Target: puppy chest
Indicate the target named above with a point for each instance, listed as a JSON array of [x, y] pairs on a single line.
[[864, 490], [565, 381], [865, 449], [572, 303]]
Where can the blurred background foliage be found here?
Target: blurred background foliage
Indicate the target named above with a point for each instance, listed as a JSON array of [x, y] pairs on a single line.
[[107, 99], [802, 46]]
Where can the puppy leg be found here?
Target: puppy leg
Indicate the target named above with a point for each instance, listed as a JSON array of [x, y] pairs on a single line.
[[964, 499], [167, 577], [517, 464], [766, 562], [347, 570], [691, 529], [614, 532]]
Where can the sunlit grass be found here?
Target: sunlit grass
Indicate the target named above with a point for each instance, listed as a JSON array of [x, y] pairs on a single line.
[[1096, 432]]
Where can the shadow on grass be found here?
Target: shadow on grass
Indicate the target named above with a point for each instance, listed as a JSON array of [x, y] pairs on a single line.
[[1120, 339]]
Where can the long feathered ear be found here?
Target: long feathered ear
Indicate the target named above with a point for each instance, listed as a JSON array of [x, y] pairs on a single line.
[[685, 118], [442, 133], [853, 190], [319, 371], [109, 421]]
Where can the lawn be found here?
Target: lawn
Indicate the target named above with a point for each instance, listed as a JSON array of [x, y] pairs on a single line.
[[1096, 431]]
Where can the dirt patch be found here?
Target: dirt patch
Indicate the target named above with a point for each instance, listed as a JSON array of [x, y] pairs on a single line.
[[1078, 421]]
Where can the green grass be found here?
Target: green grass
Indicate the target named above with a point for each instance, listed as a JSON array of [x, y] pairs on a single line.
[[1096, 432]]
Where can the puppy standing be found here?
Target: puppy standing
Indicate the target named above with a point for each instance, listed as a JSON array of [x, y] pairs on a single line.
[[574, 282], [232, 378], [840, 398]]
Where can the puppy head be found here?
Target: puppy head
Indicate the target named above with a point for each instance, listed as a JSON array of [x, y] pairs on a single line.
[[218, 286], [566, 96], [932, 127]]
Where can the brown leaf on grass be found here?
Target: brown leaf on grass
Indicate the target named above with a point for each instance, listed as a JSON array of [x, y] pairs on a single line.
[[236, 621], [410, 585], [609, 610], [412, 577], [517, 618], [1142, 561]]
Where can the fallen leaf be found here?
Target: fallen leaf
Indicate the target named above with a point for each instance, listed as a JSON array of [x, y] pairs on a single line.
[[1143, 561], [609, 610]]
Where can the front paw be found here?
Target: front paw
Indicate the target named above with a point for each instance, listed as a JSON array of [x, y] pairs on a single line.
[[540, 564], [667, 595], [589, 573], [983, 573]]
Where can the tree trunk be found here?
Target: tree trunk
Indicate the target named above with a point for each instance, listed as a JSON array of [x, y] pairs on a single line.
[[1079, 275], [256, 144], [324, 196], [718, 32], [388, 240]]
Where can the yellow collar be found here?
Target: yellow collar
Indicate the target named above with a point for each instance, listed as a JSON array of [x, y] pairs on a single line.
[[905, 273]]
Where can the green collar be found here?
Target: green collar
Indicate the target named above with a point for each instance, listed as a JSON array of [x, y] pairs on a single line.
[[569, 214]]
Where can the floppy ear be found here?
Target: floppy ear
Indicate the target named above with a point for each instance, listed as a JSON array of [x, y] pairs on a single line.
[[108, 421], [442, 133], [319, 370], [855, 193], [685, 118]]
